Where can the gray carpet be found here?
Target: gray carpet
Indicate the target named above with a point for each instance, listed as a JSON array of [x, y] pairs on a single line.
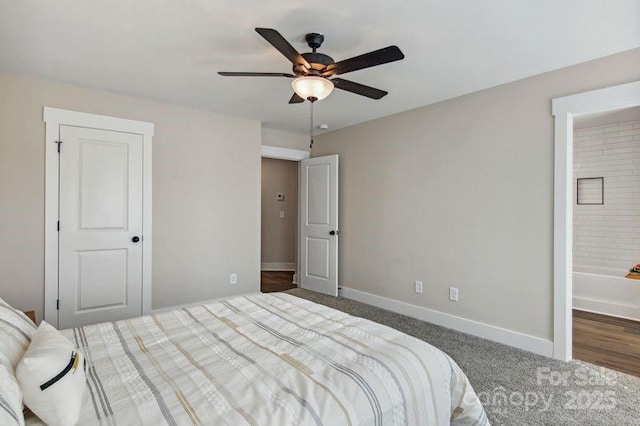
[[517, 387]]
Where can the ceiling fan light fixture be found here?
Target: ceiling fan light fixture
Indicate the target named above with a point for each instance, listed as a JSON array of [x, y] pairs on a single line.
[[312, 87]]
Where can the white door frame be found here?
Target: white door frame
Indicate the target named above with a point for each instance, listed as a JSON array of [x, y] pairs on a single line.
[[283, 153], [279, 153], [53, 118], [563, 110]]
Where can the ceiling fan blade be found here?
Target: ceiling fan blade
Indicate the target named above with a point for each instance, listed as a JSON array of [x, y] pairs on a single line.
[[283, 46], [295, 99], [359, 89], [255, 74], [371, 59]]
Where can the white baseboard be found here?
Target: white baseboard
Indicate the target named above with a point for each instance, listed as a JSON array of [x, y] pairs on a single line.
[[486, 331], [604, 307], [278, 266]]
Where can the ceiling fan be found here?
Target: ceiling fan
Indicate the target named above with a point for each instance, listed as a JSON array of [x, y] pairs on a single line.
[[312, 70]]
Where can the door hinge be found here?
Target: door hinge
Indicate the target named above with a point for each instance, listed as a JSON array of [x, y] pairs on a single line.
[[58, 304], [58, 226], [59, 145]]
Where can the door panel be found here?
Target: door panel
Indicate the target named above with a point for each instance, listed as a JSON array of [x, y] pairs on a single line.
[[104, 184], [100, 267], [102, 279], [318, 194], [318, 258], [318, 219]]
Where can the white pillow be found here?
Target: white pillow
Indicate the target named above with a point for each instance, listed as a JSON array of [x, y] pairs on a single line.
[[15, 333], [10, 398], [52, 377]]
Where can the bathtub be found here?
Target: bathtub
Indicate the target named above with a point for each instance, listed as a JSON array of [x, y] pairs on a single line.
[[609, 295]]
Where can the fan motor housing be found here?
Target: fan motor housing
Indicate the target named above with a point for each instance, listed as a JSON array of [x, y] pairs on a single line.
[[318, 62]]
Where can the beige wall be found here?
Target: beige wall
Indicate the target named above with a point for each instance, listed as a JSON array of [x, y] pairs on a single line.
[[460, 194], [279, 234], [206, 193], [272, 137]]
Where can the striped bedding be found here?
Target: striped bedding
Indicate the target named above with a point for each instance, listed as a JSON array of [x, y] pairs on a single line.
[[268, 359]]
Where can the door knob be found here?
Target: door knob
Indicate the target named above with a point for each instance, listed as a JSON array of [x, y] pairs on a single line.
[[333, 232], [135, 239]]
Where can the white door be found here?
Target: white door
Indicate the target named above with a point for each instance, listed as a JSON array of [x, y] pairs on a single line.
[[319, 224], [100, 213]]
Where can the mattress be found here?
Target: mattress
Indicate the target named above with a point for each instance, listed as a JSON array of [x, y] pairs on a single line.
[[267, 359]]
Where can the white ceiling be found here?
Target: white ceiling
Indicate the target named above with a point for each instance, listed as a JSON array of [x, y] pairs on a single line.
[[171, 50]]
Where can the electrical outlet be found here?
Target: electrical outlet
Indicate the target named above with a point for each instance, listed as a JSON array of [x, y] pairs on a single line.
[[233, 278], [453, 294], [281, 214], [418, 286]]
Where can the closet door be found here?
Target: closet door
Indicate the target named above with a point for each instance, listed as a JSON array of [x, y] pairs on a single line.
[[100, 216]]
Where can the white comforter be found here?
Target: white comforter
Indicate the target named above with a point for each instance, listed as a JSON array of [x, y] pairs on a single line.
[[269, 359]]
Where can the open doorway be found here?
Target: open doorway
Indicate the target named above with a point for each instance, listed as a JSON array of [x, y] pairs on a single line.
[[565, 111], [316, 227], [279, 224], [606, 239]]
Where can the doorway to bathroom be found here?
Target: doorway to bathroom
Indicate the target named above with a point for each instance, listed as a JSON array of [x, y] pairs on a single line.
[[606, 239], [565, 111]]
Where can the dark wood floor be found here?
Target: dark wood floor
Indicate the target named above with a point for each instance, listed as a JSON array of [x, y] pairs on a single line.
[[607, 341], [276, 281]]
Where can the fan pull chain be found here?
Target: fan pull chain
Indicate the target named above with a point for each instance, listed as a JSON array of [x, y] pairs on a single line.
[[311, 126]]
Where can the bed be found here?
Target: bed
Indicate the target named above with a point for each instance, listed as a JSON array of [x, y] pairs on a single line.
[[267, 359]]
